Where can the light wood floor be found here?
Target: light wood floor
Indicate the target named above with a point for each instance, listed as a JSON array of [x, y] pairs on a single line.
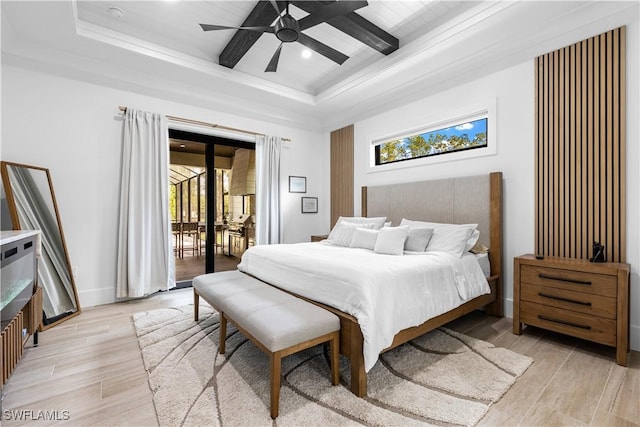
[[91, 367]]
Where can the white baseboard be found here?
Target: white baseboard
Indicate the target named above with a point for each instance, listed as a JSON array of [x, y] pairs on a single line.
[[100, 296], [634, 339], [508, 308]]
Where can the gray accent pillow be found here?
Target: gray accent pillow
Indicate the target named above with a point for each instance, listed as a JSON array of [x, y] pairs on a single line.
[[418, 239]]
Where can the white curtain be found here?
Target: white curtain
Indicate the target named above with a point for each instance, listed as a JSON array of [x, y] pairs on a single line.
[[144, 235], [268, 229]]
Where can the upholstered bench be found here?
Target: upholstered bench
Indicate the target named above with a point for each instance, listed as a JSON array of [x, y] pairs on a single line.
[[277, 322]]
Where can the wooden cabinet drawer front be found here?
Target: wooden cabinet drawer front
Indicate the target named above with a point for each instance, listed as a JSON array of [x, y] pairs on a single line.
[[595, 305], [578, 281], [579, 325]]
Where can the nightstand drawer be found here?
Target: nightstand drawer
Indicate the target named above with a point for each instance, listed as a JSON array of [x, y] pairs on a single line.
[[579, 325], [588, 300], [595, 305], [578, 281]]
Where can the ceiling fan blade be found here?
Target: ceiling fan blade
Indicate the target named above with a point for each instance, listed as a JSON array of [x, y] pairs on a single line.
[[329, 12], [209, 27], [274, 3], [322, 49], [273, 64]]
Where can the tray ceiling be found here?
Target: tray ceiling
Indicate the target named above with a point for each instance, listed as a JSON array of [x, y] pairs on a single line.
[[174, 25], [157, 48]]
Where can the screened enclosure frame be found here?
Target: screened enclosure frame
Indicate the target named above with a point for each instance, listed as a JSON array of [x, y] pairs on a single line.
[[189, 177]]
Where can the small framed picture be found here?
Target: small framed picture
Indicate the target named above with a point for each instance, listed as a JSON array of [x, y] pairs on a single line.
[[297, 184], [309, 205]]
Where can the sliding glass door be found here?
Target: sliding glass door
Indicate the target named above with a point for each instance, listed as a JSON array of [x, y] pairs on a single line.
[[212, 224], [188, 207]]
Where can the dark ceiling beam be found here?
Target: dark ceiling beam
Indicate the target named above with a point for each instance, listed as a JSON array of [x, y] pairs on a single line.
[[355, 26], [263, 14]]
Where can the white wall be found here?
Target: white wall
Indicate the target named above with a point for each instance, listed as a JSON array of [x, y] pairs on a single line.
[[74, 129], [633, 176], [512, 90]]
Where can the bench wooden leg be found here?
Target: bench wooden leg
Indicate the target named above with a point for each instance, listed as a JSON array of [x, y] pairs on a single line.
[[223, 333], [196, 305], [275, 360], [335, 359]]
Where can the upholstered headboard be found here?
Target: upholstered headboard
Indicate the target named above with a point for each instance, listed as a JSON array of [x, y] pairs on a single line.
[[471, 199]]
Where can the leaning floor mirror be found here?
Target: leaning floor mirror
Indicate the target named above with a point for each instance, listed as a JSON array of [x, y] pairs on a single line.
[[32, 206]]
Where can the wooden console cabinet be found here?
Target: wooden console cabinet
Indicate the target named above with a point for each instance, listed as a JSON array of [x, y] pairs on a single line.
[[20, 297], [574, 297]]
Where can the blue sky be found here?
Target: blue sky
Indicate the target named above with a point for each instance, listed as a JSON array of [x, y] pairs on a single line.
[[470, 128]]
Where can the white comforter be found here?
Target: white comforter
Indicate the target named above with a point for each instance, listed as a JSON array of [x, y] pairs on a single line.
[[385, 293]]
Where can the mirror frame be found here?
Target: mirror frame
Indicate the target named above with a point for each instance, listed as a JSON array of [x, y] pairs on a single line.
[[17, 226]]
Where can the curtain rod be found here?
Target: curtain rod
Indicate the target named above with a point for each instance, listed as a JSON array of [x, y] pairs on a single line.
[[207, 124]]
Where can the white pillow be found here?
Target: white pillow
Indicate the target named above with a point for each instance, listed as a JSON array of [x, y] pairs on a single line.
[[471, 242], [452, 240], [434, 225], [342, 233], [473, 239], [364, 238], [376, 221], [391, 240], [417, 239]]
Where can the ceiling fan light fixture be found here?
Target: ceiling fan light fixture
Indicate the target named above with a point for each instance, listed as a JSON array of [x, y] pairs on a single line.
[[287, 29]]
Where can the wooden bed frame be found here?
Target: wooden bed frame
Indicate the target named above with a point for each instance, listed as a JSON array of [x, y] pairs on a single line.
[[458, 202]]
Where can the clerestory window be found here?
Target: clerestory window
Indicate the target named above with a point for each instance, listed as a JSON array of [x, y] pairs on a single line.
[[462, 135]]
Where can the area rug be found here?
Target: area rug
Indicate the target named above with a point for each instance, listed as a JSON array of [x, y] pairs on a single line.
[[442, 378]]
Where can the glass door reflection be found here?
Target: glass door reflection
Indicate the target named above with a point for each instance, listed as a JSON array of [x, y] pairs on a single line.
[[187, 203]]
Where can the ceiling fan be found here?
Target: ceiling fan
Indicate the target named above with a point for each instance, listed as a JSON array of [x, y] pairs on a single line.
[[288, 30]]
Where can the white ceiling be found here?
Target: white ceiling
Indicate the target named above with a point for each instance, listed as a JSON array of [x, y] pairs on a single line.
[[174, 25], [158, 48]]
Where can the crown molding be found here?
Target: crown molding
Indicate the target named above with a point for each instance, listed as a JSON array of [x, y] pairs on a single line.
[[104, 35]]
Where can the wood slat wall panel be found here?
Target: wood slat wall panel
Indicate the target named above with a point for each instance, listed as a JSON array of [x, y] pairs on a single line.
[[570, 135], [580, 148], [12, 347], [341, 173]]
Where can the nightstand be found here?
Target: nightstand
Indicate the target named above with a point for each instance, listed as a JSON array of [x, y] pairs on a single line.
[[318, 237], [575, 297]]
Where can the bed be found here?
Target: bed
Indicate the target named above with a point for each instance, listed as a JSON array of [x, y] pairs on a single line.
[[474, 199]]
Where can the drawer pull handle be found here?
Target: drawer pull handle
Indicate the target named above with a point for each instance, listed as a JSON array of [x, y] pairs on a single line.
[[542, 294], [563, 322], [11, 252], [564, 279]]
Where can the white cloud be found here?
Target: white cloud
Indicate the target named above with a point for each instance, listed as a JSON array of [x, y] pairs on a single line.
[[465, 126]]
